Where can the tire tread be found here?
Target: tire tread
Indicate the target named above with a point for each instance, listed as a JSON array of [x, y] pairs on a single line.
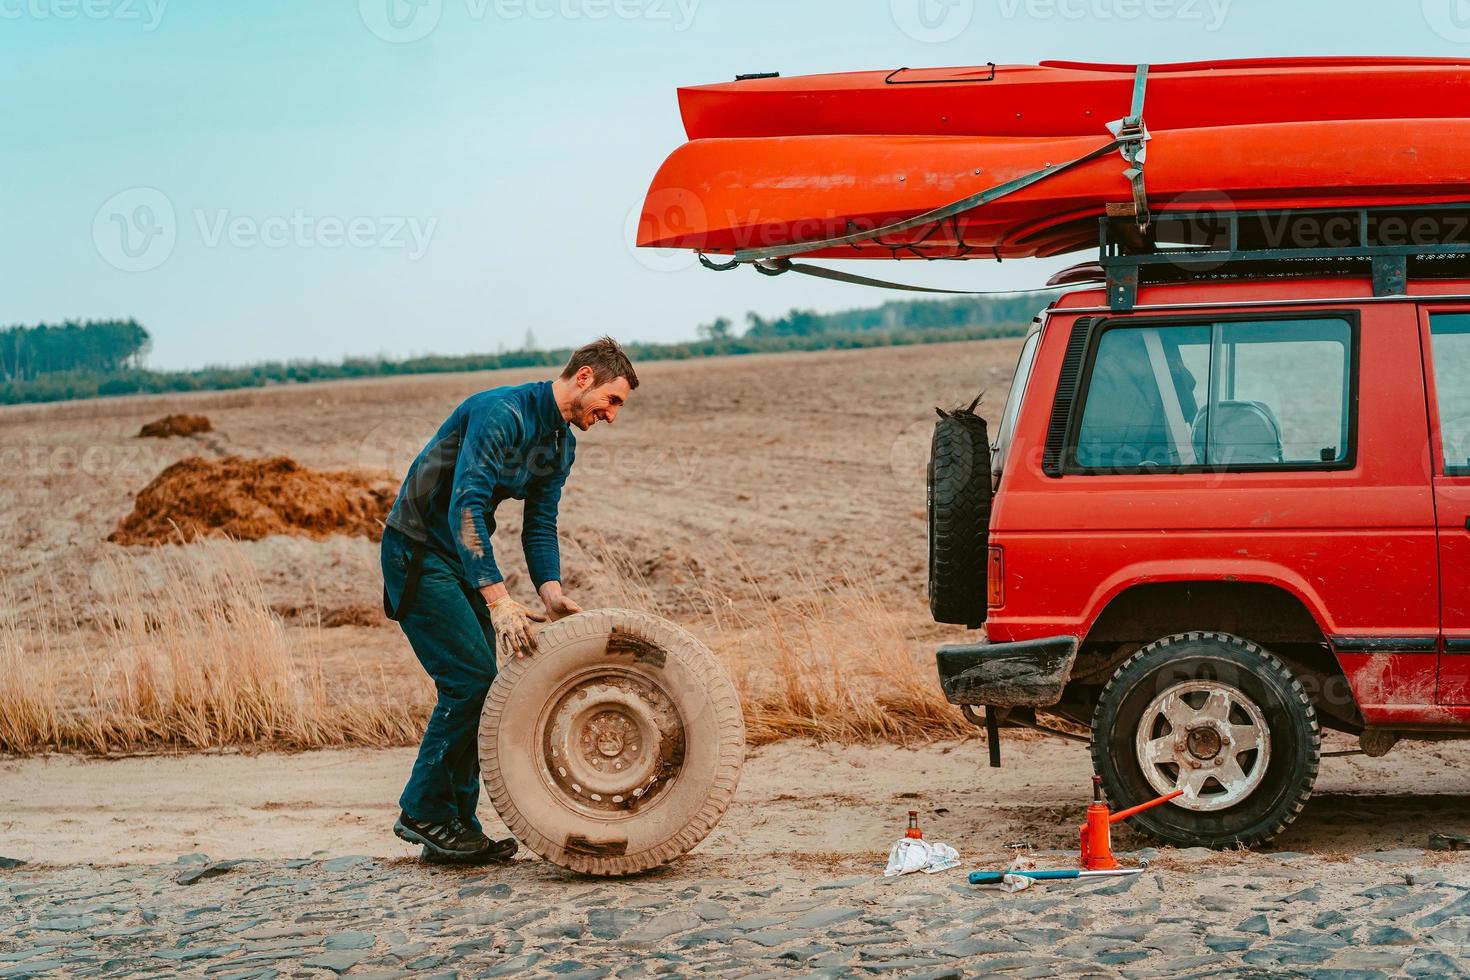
[[1269, 662], [959, 519], [725, 703]]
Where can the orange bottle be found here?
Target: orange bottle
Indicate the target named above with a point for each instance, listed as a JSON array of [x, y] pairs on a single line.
[[914, 832]]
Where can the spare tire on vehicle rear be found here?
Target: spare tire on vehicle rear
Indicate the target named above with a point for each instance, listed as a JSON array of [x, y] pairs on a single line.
[[617, 747], [959, 518]]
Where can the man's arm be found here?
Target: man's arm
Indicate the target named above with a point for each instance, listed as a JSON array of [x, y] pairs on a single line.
[[489, 434], [539, 540]]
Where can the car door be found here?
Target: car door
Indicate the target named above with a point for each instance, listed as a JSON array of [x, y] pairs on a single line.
[[1445, 338]]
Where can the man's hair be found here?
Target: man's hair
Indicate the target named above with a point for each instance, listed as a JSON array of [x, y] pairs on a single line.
[[606, 359]]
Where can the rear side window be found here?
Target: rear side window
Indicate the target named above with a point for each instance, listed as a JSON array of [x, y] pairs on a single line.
[[1449, 337], [1013, 405], [1237, 394]]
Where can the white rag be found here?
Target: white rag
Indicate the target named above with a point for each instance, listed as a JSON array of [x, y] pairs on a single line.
[[911, 854]]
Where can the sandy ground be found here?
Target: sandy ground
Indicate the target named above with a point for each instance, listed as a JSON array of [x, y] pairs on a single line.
[[839, 804]]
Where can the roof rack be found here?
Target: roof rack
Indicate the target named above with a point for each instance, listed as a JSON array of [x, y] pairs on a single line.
[[1187, 245]]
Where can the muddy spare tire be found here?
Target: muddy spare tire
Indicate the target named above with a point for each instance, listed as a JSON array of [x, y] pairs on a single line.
[[959, 518], [617, 747]]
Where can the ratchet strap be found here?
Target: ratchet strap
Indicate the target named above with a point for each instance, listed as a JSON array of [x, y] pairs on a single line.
[[1132, 134], [1129, 136]]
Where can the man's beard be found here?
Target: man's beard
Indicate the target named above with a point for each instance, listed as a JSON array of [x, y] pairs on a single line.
[[579, 411]]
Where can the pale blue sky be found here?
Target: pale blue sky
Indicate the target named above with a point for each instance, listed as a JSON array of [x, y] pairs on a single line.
[[333, 192]]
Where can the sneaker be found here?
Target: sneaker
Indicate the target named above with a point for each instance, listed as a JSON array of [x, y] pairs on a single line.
[[494, 853], [449, 839]]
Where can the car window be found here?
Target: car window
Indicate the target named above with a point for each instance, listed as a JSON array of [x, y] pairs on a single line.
[[1449, 337], [1142, 396], [1013, 404], [1229, 394]]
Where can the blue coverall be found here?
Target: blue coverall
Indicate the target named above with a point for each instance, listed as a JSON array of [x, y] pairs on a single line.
[[503, 443]]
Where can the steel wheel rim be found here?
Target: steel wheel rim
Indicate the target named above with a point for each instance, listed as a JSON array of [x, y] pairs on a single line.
[[612, 743], [1206, 738]]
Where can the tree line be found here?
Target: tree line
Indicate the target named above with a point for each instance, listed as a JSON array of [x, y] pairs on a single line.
[[117, 369], [97, 346], [967, 311]]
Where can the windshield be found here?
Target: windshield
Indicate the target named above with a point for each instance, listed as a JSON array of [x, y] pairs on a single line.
[[1013, 402]]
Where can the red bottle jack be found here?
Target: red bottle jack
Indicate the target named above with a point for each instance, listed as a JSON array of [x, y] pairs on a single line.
[[1097, 833], [1097, 850]]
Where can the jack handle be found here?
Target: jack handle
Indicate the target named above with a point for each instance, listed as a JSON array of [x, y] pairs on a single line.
[[1122, 815]]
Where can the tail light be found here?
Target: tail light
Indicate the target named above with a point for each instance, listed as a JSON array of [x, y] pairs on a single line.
[[995, 578]]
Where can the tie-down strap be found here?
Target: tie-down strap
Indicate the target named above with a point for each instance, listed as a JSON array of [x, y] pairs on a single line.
[[1132, 133], [1129, 136]]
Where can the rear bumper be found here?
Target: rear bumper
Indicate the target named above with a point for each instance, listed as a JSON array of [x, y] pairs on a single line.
[[1031, 673]]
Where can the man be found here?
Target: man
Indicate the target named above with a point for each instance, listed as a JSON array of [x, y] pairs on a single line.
[[443, 586]]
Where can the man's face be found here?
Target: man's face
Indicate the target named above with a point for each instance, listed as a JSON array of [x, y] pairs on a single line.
[[595, 403]]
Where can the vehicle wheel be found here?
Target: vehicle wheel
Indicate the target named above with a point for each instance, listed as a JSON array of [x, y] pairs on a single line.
[[617, 747], [1221, 719], [959, 519]]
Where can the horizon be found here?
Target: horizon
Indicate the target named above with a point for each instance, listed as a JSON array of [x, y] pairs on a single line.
[[524, 347]]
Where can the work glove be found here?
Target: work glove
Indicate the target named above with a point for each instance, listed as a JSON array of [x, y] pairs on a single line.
[[513, 632]]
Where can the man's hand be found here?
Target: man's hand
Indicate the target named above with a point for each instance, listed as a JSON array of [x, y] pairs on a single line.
[[558, 606], [513, 632]]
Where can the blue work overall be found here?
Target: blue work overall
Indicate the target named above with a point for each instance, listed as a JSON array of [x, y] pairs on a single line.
[[436, 555]]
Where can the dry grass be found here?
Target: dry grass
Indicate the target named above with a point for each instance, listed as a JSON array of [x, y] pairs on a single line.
[[840, 661], [193, 657], [839, 665], [29, 699]]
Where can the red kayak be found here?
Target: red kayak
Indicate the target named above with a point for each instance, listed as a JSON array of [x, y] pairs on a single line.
[[727, 195], [1059, 98]]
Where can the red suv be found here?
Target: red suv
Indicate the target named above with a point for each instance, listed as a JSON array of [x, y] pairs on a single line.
[[1221, 513]]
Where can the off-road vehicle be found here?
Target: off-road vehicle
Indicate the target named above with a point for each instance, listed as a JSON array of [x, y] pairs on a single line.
[[1227, 506]]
